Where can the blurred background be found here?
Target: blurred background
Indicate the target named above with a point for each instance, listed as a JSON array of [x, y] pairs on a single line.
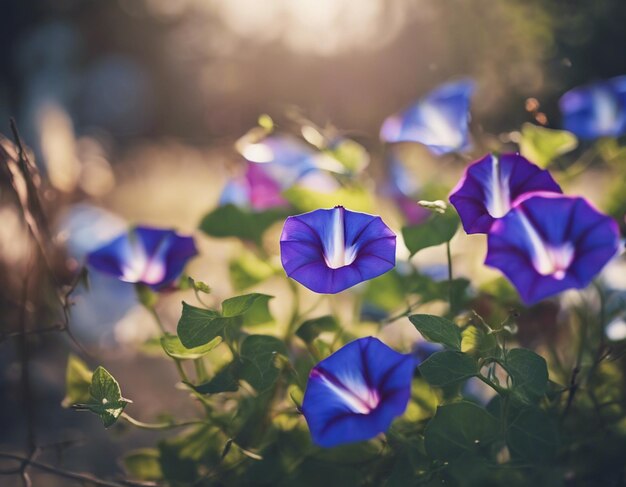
[[132, 107]]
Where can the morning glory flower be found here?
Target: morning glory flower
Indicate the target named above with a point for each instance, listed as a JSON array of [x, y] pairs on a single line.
[[440, 120], [331, 250], [596, 110], [255, 190], [490, 185], [549, 243], [287, 159], [354, 394], [151, 256]]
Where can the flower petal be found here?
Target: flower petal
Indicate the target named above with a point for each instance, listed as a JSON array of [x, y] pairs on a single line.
[[355, 394], [596, 110], [490, 185], [549, 243], [331, 250], [439, 120]]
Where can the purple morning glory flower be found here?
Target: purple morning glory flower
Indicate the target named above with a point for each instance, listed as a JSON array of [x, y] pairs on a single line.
[[151, 256], [440, 120], [490, 185], [331, 250], [549, 243], [355, 394], [256, 190], [596, 110]]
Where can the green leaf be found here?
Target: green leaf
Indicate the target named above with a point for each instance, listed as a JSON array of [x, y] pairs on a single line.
[[199, 326], [77, 381], [247, 269], [476, 341], [438, 229], [232, 221], [386, 292], [174, 348], [438, 330], [143, 464], [459, 428], [226, 380], [105, 397], [532, 436], [240, 305], [311, 329], [445, 368], [258, 353], [529, 373], [305, 199], [542, 145]]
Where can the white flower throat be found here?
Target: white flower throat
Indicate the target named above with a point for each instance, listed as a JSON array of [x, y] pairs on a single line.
[[336, 254]]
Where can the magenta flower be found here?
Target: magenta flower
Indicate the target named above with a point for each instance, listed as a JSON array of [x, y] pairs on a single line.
[[328, 251], [440, 120], [596, 110], [356, 393], [256, 190], [490, 185], [549, 242], [151, 256]]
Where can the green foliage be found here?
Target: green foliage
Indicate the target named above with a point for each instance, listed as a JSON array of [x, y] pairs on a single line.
[[350, 154], [448, 367], [247, 270], [354, 197], [458, 429], [542, 145], [77, 381], [199, 326], [532, 436], [144, 464], [225, 380], [438, 330], [233, 221], [174, 348], [529, 373], [311, 329], [438, 229], [258, 354], [105, 397]]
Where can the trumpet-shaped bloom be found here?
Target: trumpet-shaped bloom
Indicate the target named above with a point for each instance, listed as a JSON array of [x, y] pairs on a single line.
[[331, 250], [596, 110], [489, 187], [151, 256], [549, 243], [355, 394], [287, 159], [440, 120], [256, 190]]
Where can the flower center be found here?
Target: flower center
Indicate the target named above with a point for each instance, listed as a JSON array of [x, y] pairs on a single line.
[[359, 398], [548, 260], [336, 254], [498, 193]]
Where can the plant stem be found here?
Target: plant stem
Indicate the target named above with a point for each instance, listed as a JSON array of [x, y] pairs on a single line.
[[450, 290], [159, 426]]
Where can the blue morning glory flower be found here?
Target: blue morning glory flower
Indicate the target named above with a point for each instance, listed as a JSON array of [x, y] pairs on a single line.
[[151, 256], [490, 185], [331, 250], [596, 110], [440, 120], [287, 159], [256, 190], [549, 242], [355, 394]]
